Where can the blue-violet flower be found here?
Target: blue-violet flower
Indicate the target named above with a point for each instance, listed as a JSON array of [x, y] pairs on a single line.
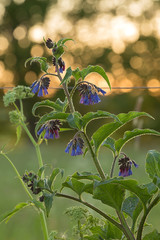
[[51, 129], [125, 165], [77, 144], [89, 93], [61, 64], [41, 86]]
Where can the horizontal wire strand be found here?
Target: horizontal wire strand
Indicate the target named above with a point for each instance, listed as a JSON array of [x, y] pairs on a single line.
[[143, 87]]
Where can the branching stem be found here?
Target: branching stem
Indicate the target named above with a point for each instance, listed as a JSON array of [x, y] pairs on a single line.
[[94, 157]]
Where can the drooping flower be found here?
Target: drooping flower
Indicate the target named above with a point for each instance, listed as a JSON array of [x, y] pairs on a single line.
[[51, 129], [125, 165], [41, 86], [61, 64], [77, 144], [49, 43], [89, 93]]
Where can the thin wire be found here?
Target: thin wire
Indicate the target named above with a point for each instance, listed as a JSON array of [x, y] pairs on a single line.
[[134, 88]]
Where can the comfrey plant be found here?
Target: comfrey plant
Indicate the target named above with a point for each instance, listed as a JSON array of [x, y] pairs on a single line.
[[126, 196]]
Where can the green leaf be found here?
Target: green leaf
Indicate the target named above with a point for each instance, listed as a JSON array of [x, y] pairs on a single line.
[[62, 104], [95, 115], [97, 69], [5, 217], [50, 116], [76, 74], [153, 235], [153, 164], [132, 207], [67, 76], [48, 200], [78, 186], [63, 41], [46, 103], [55, 172], [38, 204], [75, 185], [109, 193], [58, 52], [113, 232], [74, 120], [18, 133], [42, 61], [110, 143], [129, 135], [107, 129], [86, 175], [40, 171]]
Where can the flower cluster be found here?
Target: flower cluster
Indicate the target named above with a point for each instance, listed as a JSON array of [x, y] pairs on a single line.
[[125, 165], [77, 144], [89, 93], [31, 179], [61, 64], [41, 86], [51, 129]]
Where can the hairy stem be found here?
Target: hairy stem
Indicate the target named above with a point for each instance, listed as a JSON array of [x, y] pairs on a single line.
[[126, 230], [94, 157], [71, 106], [113, 165], [143, 219], [17, 173], [118, 225]]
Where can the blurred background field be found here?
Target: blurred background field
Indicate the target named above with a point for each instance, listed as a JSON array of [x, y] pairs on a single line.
[[121, 36]]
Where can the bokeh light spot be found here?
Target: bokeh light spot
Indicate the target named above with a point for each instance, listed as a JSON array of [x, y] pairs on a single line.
[[37, 50], [30, 77], [19, 32], [36, 33]]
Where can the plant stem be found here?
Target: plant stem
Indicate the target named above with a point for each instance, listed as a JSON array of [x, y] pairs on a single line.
[[94, 157], [66, 91], [40, 162], [146, 212], [113, 165], [126, 230], [118, 225], [17, 173]]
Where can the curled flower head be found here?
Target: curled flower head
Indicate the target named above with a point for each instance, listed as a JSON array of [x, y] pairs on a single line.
[[51, 129], [41, 86], [89, 93], [125, 165], [77, 144], [49, 43], [61, 64]]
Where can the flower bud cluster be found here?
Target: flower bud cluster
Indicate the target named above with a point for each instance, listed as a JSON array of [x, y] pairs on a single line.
[[31, 180]]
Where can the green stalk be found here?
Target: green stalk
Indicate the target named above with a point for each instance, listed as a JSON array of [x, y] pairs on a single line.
[[71, 106], [17, 173], [94, 157], [126, 230], [113, 165], [143, 219], [42, 216]]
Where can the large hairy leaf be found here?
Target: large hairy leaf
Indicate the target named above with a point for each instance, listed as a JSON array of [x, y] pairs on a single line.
[[46, 103], [107, 129], [41, 60], [129, 135], [95, 115], [111, 192], [96, 69], [74, 120]]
